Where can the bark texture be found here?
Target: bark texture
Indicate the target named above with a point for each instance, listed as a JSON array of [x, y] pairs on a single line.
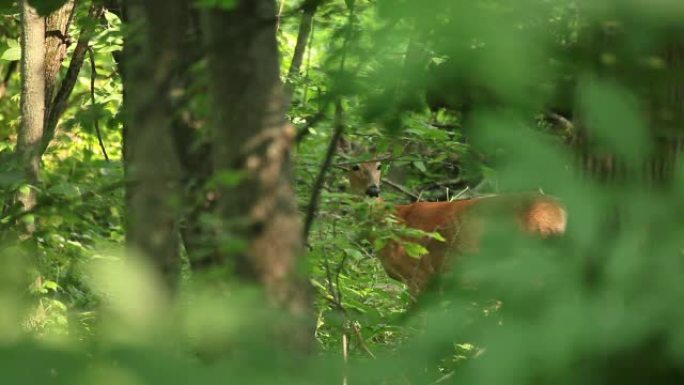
[[56, 43], [250, 135], [32, 98], [151, 57], [59, 103]]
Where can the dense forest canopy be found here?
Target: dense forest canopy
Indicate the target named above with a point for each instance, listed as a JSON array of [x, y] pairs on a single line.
[[185, 186]]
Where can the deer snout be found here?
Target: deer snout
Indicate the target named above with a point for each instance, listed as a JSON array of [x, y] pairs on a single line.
[[373, 191]]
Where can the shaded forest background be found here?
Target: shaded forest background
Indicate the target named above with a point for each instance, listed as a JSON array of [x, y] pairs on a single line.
[[175, 208]]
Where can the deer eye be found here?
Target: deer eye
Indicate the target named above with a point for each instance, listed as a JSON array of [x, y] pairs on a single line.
[[356, 167], [379, 166]]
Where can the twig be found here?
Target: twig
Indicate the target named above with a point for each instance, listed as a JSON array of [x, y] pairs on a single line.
[[337, 305], [461, 193], [362, 342], [337, 134], [280, 14], [318, 184], [336, 302], [443, 125], [345, 354], [442, 183], [562, 120], [377, 159], [305, 92], [401, 189], [443, 378], [93, 75], [338, 272]]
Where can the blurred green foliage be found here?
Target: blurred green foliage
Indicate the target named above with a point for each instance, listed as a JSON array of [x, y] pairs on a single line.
[[600, 305]]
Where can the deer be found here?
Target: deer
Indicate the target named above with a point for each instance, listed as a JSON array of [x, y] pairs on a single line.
[[461, 225]]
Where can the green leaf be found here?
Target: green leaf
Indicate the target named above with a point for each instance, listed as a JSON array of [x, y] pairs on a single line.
[[50, 285], [436, 236], [415, 250], [11, 54], [66, 190], [420, 166], [112, 19], [228, 178], [29, 219], [354, 253], [379, 243], [25, 189]]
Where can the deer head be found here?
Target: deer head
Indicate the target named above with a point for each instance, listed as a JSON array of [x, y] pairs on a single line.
[[364, 177]]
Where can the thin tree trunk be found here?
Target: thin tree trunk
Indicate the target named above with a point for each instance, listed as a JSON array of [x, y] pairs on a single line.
[[32, 99], [251, 135], [312, 209], [305, 25], [151, 56]]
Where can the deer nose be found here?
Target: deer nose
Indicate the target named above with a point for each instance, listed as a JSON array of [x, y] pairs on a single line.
[[373, 191]]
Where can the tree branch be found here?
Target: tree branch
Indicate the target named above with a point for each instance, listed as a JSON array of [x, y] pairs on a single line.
[[60, 101], [320, 178], [401, 189], [93, 75]]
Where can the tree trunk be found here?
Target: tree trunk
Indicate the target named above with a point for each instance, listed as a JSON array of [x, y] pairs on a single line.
[[251, 137], [32, 99], [662, 100], [305, 25], [152, 168], [667, 115], [56, 43], [59, 103]]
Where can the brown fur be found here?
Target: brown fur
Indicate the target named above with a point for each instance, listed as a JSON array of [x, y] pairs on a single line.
[[461, 223]]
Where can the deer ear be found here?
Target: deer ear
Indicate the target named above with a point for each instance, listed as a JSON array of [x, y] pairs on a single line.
[[344, 146]]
